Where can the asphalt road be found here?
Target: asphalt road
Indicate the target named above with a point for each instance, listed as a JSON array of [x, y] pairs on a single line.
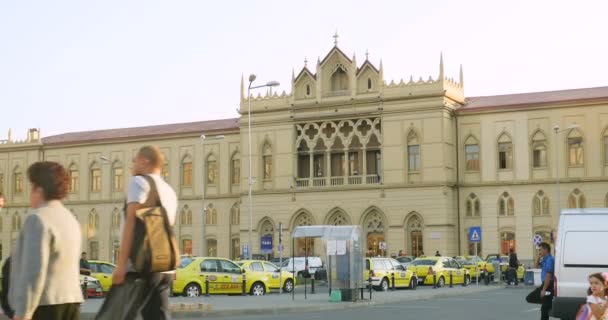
[[501, 304]]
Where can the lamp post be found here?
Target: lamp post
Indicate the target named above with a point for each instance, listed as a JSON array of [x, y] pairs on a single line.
[[557, 131], [204, 210], [252, 78]]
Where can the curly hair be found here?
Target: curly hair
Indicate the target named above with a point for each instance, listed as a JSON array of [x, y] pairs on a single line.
[[602, 279], [51, 177]]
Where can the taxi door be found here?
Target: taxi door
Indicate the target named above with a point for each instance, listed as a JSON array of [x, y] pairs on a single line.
[[400, 274], [274, 277], [103, 273], [210, 271], [231, 277], [458, 271]]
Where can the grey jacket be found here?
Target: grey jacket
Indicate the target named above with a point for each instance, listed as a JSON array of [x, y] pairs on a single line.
[[44, 261]]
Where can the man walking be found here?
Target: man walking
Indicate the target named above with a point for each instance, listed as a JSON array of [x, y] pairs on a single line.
[[513, 265], [149, 160], [544, 294]]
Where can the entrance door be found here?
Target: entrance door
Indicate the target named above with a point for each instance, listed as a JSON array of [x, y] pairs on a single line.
[[416, 241], [373, 244]]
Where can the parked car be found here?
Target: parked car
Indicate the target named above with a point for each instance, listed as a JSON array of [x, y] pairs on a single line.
[[470, 265], [267, 277], [441, 267], [93, 286], [224, 276], [504, 265], [300, 267], [576, 257], [102, 271], [405, 260], [380, 270]]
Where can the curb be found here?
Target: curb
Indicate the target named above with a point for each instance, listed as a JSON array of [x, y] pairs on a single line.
[[206, 310]]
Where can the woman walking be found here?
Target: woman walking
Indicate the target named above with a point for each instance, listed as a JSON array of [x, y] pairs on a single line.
[[46, 254]]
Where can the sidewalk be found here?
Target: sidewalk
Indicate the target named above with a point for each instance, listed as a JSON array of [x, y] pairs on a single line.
[[220, 306]]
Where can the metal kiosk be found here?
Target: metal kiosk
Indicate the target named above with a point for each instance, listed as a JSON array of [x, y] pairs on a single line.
[[343, 257]]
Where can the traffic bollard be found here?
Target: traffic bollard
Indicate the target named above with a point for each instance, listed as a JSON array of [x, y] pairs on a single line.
[[434, 281], [206, 286], [244, 293], [312, 284], [84, 289], [393, 281], [370, 288], [451, 279]]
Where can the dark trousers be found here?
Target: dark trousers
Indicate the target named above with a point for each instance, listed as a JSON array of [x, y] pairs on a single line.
[[155, 304], [546, 302], [512, 276], [67, 311]]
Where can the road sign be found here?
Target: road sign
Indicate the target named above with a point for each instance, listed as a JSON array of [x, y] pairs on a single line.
[[537, 240], [245, 250], [475, 234], [382, 245]]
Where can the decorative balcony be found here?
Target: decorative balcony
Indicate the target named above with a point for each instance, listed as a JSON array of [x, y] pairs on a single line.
[[334, 182]]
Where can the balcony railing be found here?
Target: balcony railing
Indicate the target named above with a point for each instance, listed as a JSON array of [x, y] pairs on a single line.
[[324, 182]]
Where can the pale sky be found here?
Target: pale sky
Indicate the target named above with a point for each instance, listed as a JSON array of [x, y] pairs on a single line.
[[83, 65]]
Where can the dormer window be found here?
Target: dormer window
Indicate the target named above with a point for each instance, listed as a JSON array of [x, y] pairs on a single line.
[[339, 80]]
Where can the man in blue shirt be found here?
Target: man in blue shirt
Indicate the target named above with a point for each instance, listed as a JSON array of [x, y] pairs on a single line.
[[544, 293]]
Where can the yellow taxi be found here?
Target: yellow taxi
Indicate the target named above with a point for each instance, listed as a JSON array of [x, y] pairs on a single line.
[[474, 264], [381, 270], [102, 271], [504, 265], [224, 276], [265, 276], [441, 267]]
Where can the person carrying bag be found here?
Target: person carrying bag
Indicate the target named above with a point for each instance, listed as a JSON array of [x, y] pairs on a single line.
[[148, 247]]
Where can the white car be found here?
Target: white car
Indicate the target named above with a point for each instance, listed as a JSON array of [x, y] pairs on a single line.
[[580, 232], [314, 263], [94, 288]]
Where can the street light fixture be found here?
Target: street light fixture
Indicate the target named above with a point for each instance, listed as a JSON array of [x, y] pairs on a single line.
[[557, 131], [204, 210], [252, 78]]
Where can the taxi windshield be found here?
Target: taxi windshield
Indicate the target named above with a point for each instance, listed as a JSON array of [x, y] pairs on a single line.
[[424, 262]]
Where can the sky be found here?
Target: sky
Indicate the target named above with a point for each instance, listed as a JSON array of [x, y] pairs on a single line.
[[83, 65]]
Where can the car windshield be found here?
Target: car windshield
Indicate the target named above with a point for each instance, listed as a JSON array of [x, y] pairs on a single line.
[[404, 259], [185, 262], [424, 262], [465, 262]]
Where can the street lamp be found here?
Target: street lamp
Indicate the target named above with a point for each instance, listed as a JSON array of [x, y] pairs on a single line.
[[204, 210], [252, 78], [557, 131]]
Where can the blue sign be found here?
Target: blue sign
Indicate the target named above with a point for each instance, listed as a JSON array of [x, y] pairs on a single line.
[[266, 245], [475, 234], [245, 250]]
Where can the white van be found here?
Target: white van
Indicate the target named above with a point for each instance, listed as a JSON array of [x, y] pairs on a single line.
[[314, 263], [580, 251]]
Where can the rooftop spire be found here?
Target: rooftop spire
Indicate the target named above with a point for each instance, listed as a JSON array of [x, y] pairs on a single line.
[[366, 54], [461, 76], [441, 75], [305, 62], [336, 36], [242, 87]]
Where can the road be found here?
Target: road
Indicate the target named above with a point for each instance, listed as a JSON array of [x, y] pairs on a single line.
[[501, 304]]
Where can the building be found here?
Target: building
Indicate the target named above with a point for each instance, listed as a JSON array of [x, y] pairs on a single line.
[[414, 162]]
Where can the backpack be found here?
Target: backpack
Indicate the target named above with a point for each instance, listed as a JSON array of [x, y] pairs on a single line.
[[154, 247]]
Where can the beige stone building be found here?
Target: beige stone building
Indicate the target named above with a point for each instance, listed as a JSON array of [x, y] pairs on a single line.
[[414, 162]]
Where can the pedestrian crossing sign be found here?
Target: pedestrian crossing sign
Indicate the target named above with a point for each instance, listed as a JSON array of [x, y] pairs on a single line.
[[475, 234]]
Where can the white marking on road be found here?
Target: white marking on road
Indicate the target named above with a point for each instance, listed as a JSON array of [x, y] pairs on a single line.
[[407, 307], [531, 310]]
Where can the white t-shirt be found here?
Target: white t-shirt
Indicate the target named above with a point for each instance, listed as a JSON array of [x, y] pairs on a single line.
[[595, 300]]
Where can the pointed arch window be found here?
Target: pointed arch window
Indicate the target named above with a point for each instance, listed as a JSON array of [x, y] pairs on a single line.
[[369, 83], [539, 150], [577, 200], [74, 178], [16, 222], [235, 171], [115, 219], [186, 172], [576, 155], [95, 177], [540, 204], [506, 205], [267, 161], [339, 79], [18, 181], [165, 171], [505, 152], [211, 215], [93, 223], [185, 216], [303, 159], [235, 215], [473, 206], [307, 90], [212, 173], [471, 153], [118, 176], [413, 152]]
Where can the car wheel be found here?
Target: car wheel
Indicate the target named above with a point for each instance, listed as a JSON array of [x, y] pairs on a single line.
[[258, 289], [192, 290], [384, 285], [441, 282], [288, 287]]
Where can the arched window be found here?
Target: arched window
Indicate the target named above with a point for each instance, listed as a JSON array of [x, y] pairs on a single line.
[[212, 247], [375, 228], [186, 172], [93, 223], [267, 161], [471, 153], [185, 216], [413, 152], [505, 152], [18, 180], [369, 83], [576, 155], [74, 178], [212, 173], [95, 171], [165, 171], [93, 250], [540, 204], [355, 157], [506, 205], [15, 222], [338, 218], [473, 206], [235, 171], [235, 215], [577, 200], [211, 215], [339, 79], [307, 90], [507, 241], [118, 176], [539, 150], [116, 219], [187, 245]]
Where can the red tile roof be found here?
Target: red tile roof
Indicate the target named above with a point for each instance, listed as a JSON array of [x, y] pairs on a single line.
[[213, 126], [545, 98]]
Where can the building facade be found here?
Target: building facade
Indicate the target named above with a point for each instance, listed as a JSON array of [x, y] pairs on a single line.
[[414, 162]]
